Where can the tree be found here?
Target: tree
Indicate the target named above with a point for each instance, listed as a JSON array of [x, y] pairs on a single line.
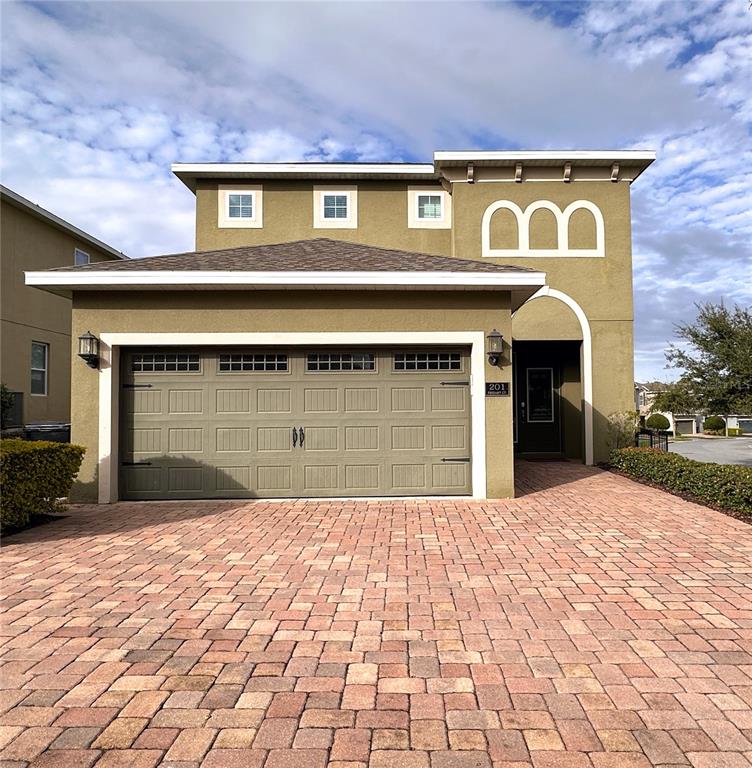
[[717, 363]]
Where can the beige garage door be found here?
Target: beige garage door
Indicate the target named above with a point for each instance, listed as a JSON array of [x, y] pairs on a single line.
[[227, 422]]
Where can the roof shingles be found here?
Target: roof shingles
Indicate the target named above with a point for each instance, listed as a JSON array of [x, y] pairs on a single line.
[[317, 255]]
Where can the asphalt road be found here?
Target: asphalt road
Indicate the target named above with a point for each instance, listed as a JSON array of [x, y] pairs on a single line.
[[733, 450]]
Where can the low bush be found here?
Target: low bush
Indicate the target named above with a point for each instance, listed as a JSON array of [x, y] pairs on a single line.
[[714, 425], [34, 477], [728, 486], [657, 421]]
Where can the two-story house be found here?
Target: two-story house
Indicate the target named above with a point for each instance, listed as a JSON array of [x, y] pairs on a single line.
[[348, 329], [35, 336]]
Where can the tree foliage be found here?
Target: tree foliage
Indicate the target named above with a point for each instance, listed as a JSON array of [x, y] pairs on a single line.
[[717, 363]]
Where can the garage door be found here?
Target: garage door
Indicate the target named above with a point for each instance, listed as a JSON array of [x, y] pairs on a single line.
[[228, 422], [684, 426]]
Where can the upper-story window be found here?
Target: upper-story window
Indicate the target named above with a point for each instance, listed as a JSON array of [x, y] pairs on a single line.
[[80, 257], [335, 207], [240, 207], [428, 208]]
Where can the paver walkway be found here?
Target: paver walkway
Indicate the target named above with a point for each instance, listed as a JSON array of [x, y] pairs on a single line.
[[590, 623]]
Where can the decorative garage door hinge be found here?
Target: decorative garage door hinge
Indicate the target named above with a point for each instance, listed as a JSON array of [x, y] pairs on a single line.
[[454, 383], [463, 458], [137, 386]]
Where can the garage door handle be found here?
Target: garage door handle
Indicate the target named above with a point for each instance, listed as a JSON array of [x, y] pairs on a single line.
[[294, 437], [302, 436], [463, 458], [454, 383]]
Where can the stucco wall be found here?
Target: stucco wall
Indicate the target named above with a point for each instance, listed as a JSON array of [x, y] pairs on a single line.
[[292, 311], [288, 215], [28, 314]]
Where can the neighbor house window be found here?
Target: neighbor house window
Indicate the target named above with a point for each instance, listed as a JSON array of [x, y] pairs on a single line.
[[335, 207], [80, 257], [428, 208], [240, 207], [40, 355]]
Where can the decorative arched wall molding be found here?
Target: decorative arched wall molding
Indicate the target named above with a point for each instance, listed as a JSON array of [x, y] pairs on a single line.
[[523, 228], [587, 362]]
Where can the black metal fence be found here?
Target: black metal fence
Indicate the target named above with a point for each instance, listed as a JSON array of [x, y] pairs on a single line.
[[651, 438]]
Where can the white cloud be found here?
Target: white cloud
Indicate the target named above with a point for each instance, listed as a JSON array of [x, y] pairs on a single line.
[[100, 98]]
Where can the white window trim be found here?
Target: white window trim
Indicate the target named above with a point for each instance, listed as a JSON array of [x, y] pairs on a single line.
[[76, 251], [109, 376], [413, 222], [223, 214], [46, 369], [350, 191]]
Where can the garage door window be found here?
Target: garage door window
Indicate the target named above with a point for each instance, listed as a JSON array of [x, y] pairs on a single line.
[[318, 362], [165, 362], [427, 361], [231, 362]]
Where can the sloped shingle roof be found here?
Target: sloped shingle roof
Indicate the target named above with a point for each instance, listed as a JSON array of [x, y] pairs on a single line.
[[318, 255]]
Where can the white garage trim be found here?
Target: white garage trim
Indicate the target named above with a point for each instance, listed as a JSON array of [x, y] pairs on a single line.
[[587, 362], [109, 390]]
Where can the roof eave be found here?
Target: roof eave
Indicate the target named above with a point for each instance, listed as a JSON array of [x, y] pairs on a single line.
[[41, 213]]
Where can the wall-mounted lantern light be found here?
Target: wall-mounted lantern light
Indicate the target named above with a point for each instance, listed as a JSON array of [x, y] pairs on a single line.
[[495, 341], [88, 349]]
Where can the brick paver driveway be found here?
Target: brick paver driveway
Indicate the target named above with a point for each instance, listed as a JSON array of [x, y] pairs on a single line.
[[591, 622]]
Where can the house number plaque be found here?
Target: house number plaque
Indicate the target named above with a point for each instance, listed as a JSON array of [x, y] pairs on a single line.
[[497, 389]]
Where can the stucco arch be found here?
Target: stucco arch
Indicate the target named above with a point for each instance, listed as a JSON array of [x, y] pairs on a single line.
[[587, 361], [523, 225]]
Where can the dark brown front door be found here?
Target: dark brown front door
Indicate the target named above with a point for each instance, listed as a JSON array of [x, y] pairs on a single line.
[[537, 407]]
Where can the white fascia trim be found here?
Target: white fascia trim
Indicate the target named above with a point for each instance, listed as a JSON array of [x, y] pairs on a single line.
[[518, 156], [109, 407], [303, 168], [113, 279]]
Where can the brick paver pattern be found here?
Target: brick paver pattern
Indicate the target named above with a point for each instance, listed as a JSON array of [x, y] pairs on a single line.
[[590, 623]]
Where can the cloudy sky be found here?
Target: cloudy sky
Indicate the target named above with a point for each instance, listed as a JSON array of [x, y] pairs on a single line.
[[99, 98]]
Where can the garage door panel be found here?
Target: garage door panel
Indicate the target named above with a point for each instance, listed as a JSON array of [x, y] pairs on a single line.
[[371, 431], [185, 401], [233, 439], [320, 400], [233, 478], [362, 438], [272, 479], [408, 399], [362, 477], [361, 400], [233, 401], [274, 400]]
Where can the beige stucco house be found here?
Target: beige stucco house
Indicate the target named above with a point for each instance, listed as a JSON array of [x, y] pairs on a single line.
[[35, 335], [336, 331]]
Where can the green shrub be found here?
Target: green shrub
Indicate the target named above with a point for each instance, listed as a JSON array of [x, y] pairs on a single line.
[[714, 425], [34, 476], [657, 421], [728, 486]]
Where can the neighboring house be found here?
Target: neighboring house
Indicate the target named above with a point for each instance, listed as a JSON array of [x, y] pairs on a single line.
[[645, 395], [35, 338], [336, 331]]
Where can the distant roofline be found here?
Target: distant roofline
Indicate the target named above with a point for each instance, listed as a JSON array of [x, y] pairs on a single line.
[[42, 213], [188, 173]]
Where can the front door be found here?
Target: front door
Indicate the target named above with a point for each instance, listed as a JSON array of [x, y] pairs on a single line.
[[537, 407]]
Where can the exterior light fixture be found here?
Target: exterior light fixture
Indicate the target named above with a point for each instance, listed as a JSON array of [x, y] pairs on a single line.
[[88, 349], [495, 341]]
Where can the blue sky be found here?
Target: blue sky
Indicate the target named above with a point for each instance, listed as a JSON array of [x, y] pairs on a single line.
[[99, 98]]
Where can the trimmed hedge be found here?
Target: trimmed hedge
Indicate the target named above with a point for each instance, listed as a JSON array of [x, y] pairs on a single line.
[[34, 476], [714, 425], [657, 421], [728, 486]]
